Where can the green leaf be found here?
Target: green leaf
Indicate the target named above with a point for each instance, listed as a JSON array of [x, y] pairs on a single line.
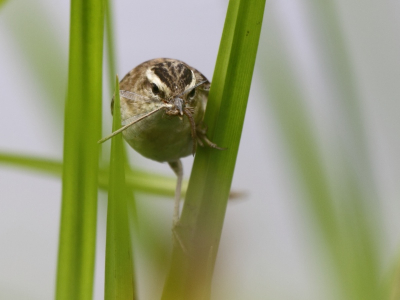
[[47, 166], [119, 277], [81, 152], [138, 180], [205, 205]]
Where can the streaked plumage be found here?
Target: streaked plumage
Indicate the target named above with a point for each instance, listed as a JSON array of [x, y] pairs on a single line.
[[162, 137], [162, 108]]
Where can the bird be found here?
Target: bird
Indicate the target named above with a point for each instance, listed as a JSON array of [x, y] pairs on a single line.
[[162, 104]]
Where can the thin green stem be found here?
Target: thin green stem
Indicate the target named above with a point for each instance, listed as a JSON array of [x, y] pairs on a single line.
[[119, 277], [138, 180]]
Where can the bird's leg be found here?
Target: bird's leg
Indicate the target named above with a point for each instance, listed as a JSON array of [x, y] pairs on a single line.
[[202, 139], [178, 169]]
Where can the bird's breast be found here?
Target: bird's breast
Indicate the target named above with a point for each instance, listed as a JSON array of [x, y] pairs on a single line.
[[161, 137]]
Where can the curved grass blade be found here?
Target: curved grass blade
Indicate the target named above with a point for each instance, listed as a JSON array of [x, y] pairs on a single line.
[[119, 277], [80, 170], [204, 210]]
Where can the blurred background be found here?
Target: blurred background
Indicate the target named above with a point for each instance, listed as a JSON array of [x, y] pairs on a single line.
[[318, 161]]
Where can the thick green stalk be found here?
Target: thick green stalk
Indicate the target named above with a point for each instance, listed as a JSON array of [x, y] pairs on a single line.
[[203, 214], [119, 278], [81, 152]]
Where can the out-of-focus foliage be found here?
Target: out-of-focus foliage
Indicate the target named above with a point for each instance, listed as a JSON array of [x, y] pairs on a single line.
[[2, 2], [139, 180]]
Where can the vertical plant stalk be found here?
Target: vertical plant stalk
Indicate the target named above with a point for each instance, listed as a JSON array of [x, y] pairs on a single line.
[[111, 59], [80, 173], [204, 210], [119, 278]]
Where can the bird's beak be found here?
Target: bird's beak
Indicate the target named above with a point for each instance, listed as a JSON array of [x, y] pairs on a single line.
[[179, 104]]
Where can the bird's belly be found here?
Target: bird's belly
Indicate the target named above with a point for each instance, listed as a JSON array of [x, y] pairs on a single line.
[[161, 137]]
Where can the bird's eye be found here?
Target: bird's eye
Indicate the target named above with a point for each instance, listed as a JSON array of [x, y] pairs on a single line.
[[155, 89], [192, 93]]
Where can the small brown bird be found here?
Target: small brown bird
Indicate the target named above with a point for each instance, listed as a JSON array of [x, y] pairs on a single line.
[[162, 108]]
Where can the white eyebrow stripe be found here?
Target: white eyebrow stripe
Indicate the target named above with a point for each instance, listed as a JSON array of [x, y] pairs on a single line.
[[193, 82], [155, 79]]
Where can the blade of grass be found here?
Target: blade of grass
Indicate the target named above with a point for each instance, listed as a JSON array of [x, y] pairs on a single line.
[[111, 59], [47, 166], [138, 180], [119, 278], [81, 152], [204, 210]]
